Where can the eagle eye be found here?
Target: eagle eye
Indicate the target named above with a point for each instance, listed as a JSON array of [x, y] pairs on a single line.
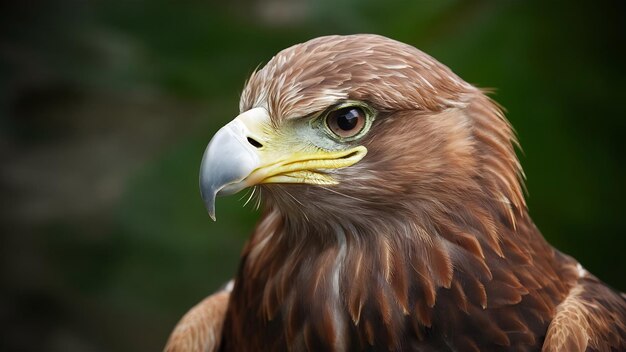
[[346, 122]]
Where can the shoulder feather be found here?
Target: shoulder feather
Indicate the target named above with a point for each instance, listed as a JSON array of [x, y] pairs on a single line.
[[201, 328], [591, 318]]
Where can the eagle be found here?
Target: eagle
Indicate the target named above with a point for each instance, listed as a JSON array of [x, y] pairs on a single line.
[[393, 217]]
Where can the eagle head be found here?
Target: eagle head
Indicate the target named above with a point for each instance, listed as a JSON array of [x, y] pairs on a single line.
[[351, 128]]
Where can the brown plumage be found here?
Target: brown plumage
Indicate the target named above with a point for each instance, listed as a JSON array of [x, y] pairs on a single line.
[[425, 244]]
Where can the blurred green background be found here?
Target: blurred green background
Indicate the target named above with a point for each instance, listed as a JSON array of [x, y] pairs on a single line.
[[106, 107]]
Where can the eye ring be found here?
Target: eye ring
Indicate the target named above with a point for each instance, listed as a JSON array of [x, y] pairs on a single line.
[[348, 121]]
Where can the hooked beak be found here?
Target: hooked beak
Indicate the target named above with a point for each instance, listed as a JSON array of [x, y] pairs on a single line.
[[247, 151], [230, 158]]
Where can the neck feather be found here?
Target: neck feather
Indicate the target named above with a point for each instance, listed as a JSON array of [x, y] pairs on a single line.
[[340, 286]]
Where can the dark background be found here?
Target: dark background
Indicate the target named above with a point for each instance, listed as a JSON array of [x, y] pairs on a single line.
[[106, 107]]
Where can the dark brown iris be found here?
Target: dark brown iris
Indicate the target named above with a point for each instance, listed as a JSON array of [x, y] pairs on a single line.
[[346, 122]]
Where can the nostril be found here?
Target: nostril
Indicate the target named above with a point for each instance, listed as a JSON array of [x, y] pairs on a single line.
[[254, 142]]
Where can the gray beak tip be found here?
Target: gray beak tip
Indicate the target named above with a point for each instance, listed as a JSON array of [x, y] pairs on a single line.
[[208, 196], [212, 215]]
